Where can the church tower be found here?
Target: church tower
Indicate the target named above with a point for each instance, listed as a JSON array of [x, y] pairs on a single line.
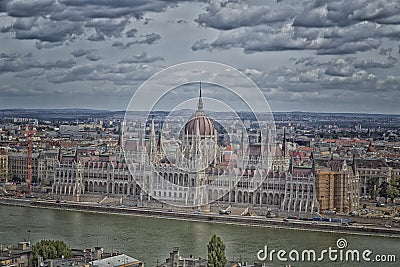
[[199, 138]]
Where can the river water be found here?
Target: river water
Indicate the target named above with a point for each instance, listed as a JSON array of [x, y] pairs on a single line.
[[151, 239]]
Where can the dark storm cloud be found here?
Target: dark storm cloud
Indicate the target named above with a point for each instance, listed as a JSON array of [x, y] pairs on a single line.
[[201, 44], [81, 52], [9, 56], [16, 63], [259, 38], [92, 57], [344, 63], [131, 33], [30, 8], [30, 73], [344, 78], [118, 44], [326, 27], [368, 64], [300, 86], [331, 40], [108, 27], [82, 10], [142, 58], [3, 5], [148, 39], [66, 20], [64, 64], [231, 15], [20, 24], [385, 51], [345, 13], [115, 73], [50, 31], [96, 37], [9, 66]]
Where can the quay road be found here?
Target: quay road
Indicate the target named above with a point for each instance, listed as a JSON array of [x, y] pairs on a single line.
[[206, 217]]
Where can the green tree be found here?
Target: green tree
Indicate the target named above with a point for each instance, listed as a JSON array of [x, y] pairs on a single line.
[[216, 252], [392, 192], [372, 185], [50, 249], [396, 182], [383, 190]]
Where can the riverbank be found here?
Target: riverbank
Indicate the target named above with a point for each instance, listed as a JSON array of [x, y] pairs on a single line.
[[207, 217]]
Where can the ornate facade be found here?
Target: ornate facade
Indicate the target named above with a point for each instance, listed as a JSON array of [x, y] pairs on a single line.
[[197, 174]]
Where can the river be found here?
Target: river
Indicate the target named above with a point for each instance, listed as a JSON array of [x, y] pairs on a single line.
[[151, 239]]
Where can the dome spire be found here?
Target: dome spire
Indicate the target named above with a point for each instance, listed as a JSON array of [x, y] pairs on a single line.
[[200, 104]]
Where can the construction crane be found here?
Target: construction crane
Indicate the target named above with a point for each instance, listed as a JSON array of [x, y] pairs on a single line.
[[29, 162]]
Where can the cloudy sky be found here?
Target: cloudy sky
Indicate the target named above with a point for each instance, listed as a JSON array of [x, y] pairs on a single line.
[[322, 56]]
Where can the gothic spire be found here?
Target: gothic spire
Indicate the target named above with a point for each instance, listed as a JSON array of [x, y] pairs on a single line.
[[59, 153], [159, 143], [354, 164], [120, 134], [76, 154], [200, 104], [284, 142]]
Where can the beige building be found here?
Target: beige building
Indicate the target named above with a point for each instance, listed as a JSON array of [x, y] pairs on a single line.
[[15, 256], [3, 166], [378, 170], [337, 185], [18, 166]]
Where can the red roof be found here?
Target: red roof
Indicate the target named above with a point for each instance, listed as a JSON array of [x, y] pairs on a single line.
[[305, 149], [205, 124]]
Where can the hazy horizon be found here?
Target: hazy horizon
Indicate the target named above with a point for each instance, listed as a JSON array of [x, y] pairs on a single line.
[[108, 110]]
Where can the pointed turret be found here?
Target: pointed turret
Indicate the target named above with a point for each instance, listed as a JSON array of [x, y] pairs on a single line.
[[371, 147], [59, 154], [159, 140], [354, 163], [152, 131], [284, 142], [291, 165], [313, 170], [200, 104], [120, 134], [197, 138], [76, 154], [330, 149], [153, 141], [242, 143], [142, 144]]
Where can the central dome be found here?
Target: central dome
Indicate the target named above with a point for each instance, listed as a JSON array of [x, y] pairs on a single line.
[[200, 121]]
